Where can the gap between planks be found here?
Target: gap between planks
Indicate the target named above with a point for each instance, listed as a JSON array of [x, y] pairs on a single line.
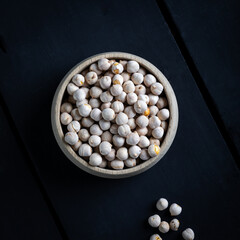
[[198, 79]]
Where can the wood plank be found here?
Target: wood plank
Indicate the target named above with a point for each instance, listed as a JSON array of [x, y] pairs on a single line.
[[210, 32], [24, 213], [44, 40]]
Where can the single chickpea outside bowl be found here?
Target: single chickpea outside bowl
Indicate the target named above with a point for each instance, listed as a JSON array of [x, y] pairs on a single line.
[[109, 173]]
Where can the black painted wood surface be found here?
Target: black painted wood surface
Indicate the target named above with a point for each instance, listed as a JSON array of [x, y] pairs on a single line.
[[208, 32], [24, 212], [42, 42]]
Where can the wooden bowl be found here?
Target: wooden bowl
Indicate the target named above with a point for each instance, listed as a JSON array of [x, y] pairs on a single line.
[[108, 173]]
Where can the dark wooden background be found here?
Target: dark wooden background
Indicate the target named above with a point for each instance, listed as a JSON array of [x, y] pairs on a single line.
[[194, 43]]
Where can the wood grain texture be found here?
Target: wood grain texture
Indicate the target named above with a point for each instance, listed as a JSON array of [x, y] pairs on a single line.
[[24, 213], [210, 32], [108, 173], [43, 41]]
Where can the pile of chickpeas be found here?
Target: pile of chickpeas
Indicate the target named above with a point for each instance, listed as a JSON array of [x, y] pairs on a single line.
[[115, 114]]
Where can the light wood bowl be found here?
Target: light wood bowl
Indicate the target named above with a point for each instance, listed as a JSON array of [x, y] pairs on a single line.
[[108, 173]]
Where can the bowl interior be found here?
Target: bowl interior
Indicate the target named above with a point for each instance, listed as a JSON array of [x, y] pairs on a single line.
[[108, 173]]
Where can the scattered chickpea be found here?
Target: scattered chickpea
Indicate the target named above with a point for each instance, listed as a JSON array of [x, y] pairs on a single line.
[[154, 221], [162, 204], [175, 209], [155, 237], [188, 234], [164, 227], [174, 224]]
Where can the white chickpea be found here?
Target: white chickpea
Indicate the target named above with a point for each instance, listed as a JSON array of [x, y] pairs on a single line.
[[106, 97], [142, 131], [142, 71], [79, 95], [65, 118], [94, 140], [158, 132], [122, 153], [71, 138], [122, 97], [86, 90], [91, 78], [175, 209], [74, 126], [126, 76], [103, 164], [106, 136], [117, 106], [87, 122], [129, 110], [105, 82], [105, 148], [134, 151], [104, 125], [131, 123], [142, 121], [94, 103], [188, 234], [117, 164], [71, 88], [164, 125], [144, 155], [117, 68], [121, 118], [154, 122], [153, 150], [144, 98], [153, 110], [84, 110], [118, 141], [104, 64], [128, 87], [96, 114], [152, 99], [144, 142], [164, 227], [156, 88], [108, 114], [105, 105], [124, 130], [132, 98], [154, 141], [117, 79], [162, 204], [77, 145], [95, 92], [78, 80], [133, 138], [132, 66], [140, 90], [114, 129], [149, 79], [94, 68], [95, 159], [95, 130], [174, 224], [137, 78], [85, 150], [116, 90], [75, 114], [83, 134], [163, 114], [112, 155], [66, 107], [155, 237], [140, 106], [109, 74], [131, 162], [162, 102], [154, 221], [84, 101]]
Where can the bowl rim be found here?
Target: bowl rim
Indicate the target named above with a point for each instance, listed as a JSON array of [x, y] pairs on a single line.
[[83, 164]]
